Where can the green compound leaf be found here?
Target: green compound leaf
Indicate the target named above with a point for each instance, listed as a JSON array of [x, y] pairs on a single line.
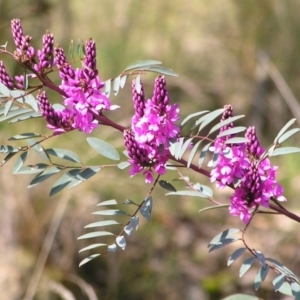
[[208, 118], [19, 163], [24, 136], [166, 185], [241, 297], [146, 208], [246, 265], [44, 175], [236, 140], [143, 64], [260, 276], [8, 149], [93, 246], [94, 234], [15, 112], [64, 154], [86, 260], [103, 148], [235, 255]]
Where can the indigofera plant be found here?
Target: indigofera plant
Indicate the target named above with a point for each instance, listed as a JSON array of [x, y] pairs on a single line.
[[155, 143]]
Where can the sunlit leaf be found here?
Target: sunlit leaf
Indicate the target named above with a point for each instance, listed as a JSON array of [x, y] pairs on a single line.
[[203, 153], [213, 207], [225, 122], [128, 229], [116, 85], [29, 99], [20, 161], [32, 169], [142, 64], [64, 154], [110, 212], [26, 116], [285, 150], [186, 119], [236, 140], [44, 175], [186, 144], [107, 87], [135, 222], [208, 118], [112, 248], [146, 208], [24, 136], [4, 90], [121, 242], [128, 201], [188, 193], [231, 131], [123, 165], [162, 70], [295, 290], [60, 184], [38, 149], [14, 113], [288, 134], [94, 234], [102, 223], [8, 148], [260, 257], [8, 106], [235, 255], [138, 85], [285, 289], [222, 243], [192, 154], [284, 128], [166, 185], [260, 276], [86, 260], [223, 235], [8, 157], [246, 265], [103, 148], [178, 146], [108, 202], [241, 297], [278, 281], [123, 81], [93, 246]]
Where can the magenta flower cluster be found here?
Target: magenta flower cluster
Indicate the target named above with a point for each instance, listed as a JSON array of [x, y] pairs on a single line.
[[153, 127], [81, 88], [240, 166]]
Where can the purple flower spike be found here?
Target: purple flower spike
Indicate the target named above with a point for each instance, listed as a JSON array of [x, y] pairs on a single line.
[[59, 121], [66, 71], [46, 54], [253, 146], [5, 78], [228, 113], [160, 94], [90, 65], [25, 53], [138, 100]]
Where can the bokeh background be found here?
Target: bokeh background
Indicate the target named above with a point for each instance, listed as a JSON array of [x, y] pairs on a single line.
[[228, 51]]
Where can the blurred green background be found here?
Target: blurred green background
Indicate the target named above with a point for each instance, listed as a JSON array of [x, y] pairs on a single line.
[[219, 49]]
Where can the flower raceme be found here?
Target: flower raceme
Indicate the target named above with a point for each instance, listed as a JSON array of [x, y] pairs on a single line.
[[152, 128], [239, 165]]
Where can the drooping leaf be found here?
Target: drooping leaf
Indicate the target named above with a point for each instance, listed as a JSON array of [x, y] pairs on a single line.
[[208, 118], [112, 248], [222, 243], [192, 154], [235, 255], [24, 136], [246, 265], [295, 290], [86, 260], [186, 144], [107, 87], [186, 119], [260, 276], [135, 222], [278, 281], [116, 85], [102, 223], [166, 185], [20, 161], [60, 184], [44, 175], [123, 81], [103, 148], [93, 246], [138, 85], [142, 64], [94, 234], [178, 147], [285, 289], [121, 242], [39, 149], [8, 157], [87, 173], [146, 208], [64, 154], [260, 257], [282, 269], [162, 70], [203, 153], [8, 106]]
